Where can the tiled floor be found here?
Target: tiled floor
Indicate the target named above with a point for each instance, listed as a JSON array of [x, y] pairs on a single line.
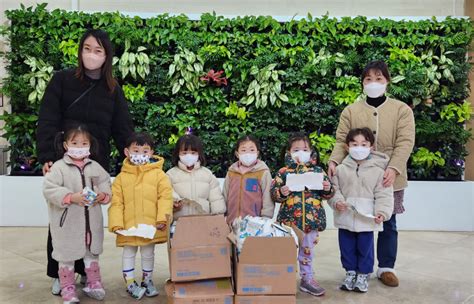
[[433, 267]]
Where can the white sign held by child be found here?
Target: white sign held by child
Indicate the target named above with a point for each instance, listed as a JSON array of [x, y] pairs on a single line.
[[310, 180], [143, 230]]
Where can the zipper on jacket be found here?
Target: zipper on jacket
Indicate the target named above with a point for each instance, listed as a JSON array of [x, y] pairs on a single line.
[[357, 170], [88, 236], [304, 209], [240, 194]]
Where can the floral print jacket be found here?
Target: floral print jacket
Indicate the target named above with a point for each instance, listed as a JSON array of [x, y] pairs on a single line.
[[302, 209]]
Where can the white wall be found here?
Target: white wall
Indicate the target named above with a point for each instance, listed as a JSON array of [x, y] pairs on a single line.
[[438, 206]]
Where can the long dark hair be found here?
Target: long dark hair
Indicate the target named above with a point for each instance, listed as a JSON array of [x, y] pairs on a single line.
[[185, 142], [104, 41], [71, 131]]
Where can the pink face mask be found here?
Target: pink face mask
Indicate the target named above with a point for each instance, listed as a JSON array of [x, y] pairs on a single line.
[[92, 61]]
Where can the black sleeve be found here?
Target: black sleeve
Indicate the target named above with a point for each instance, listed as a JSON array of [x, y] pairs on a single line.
[[122, 124], [49, 120]]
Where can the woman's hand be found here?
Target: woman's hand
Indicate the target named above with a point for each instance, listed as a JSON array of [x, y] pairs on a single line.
[[379, 219], [389, 177], [47, 167], [79, 199], [285, 190], [332, 168], [341, 206]]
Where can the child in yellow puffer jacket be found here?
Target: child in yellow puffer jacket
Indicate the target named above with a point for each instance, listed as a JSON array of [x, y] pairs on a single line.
[[142, 194]]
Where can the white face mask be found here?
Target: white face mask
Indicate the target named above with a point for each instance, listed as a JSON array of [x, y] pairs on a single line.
[[359, 153], [301, 157], [139, 159], [189, 160], [78, 153], [92, 61], [375, 89], [248, 159]]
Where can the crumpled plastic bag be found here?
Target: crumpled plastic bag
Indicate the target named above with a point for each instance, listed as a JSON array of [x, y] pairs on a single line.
[[258, 227]]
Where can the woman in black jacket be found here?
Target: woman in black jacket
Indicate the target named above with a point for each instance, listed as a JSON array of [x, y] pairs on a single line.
[[87, 95]]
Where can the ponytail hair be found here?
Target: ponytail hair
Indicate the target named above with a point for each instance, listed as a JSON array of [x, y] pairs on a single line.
[[71, 131]]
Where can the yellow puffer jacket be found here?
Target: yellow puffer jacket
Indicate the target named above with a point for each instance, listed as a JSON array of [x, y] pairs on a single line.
[[141, 195]]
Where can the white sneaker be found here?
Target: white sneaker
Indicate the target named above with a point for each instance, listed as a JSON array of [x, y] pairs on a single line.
[[362, 283], [56, 287], [349, 281]]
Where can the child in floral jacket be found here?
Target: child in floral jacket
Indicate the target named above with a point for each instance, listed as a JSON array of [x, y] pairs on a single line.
[[302, 209]]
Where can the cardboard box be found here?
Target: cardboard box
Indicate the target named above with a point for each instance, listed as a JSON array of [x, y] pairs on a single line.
[[265, 300], [199, 249], [208, 291], [267, 266]]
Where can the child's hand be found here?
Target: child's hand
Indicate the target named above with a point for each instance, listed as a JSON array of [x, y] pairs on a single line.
[[177, 205], [341, 206], [379, 219], [100, 198], [326, 186], [161, 226], [79, 199], [285, 190]]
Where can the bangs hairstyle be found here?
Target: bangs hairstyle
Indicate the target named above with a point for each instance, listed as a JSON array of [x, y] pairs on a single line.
[[296, 137], [71, 132], [376, 65], [188, 142], [140, 139], [245, 138], [103, 40], [301, 136], [366, 132]]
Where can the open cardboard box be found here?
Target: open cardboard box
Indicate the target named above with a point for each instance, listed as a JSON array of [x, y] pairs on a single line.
[[266, 266], [208, 291], [199, 249], [265, 299]]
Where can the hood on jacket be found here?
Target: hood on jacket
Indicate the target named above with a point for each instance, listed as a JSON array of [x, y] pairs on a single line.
[[377, 159], [290, 162], [156, 162], [259, 165]]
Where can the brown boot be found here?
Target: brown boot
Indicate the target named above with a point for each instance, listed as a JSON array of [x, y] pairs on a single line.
[[389, 279]]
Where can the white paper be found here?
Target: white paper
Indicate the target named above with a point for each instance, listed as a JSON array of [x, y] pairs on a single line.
[[310, 180], [143, 230], [353, 208]]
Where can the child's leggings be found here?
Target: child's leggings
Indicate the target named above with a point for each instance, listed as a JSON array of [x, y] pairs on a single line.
[[128, 260], [305, 255], [88, 259]]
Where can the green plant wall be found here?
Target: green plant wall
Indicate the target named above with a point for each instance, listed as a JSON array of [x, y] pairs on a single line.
[[225, 77]]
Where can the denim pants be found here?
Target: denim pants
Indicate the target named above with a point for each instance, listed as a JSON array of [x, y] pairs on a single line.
[[387, 244]]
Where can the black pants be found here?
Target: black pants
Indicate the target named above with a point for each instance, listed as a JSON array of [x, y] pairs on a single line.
[[53, 266]]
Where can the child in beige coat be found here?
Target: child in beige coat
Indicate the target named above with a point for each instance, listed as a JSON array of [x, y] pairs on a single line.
[[361, 203], [75, 220], [195, 188]]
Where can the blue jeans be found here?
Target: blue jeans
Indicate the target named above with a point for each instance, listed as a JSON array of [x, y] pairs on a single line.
[[357, 251], [387, 244]]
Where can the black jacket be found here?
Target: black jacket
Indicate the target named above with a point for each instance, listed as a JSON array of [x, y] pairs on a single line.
[[105, 114]]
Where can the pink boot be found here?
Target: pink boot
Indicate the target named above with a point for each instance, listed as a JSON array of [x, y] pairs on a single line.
[[94, 288], [68, 289]]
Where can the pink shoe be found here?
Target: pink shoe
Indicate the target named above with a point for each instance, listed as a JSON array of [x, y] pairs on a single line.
[[68, 289], [94, 288]]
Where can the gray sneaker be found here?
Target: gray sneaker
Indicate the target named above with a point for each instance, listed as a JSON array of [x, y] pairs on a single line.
[[151, 290], [312, 287], [56, 287], [83, 279], [136, 291], [349, 281], [362, 283]]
